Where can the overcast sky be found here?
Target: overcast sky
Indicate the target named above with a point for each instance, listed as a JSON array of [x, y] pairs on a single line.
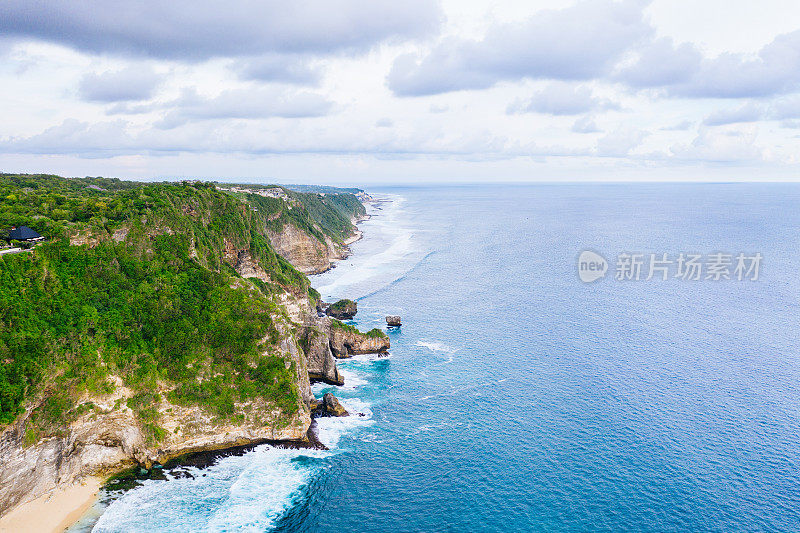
[[354, 92]]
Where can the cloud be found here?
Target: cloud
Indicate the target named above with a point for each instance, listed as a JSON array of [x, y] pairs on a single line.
[[577, 43], [74, 136], [561, 99], [787, 107], [585, 125], [439, 108], [189, 30], [118, 137], [255, 103], [682, 71], [132, 83], [660, 64], [279, 68], [748, 112], [722, 147], [620, 142], [384, 123], [683, 125]]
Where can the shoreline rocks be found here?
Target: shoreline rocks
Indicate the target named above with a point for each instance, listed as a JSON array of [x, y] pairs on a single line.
[[328, 406]]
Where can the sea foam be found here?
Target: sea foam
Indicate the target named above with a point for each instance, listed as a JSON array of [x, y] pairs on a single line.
[[243, 493]]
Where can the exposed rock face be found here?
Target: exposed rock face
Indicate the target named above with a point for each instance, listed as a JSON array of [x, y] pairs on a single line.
[[329, 406], [108, 439], [304, 251], [321, 364], [345, 343], [393, 321], [342, 310]]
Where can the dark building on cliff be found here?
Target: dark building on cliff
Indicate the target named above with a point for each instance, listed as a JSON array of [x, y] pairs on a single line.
[[24, 233]]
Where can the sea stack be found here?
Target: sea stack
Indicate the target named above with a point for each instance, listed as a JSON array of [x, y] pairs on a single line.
[[393, 321], [342, 310]]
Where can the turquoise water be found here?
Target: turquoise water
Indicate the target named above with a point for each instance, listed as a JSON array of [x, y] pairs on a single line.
[[518, 398]]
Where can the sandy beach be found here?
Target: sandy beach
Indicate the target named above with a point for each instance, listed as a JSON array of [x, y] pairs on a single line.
[[52, 512]]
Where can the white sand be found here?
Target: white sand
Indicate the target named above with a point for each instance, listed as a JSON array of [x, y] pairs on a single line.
[[52, 512]]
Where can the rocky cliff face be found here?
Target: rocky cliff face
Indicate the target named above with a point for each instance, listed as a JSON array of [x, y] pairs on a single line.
[[109, 438], [308, 254], [321, 364], [346, 343], [325, 342]]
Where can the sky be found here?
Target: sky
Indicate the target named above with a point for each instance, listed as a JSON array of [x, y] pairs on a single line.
[[413, 92]]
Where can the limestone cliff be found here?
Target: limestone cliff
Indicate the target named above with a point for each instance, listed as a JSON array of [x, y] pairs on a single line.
[[347, 341], [110, 438], [321, 364], [305, 252]]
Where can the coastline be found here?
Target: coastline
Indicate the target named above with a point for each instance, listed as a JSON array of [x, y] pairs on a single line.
[[63, 507], [54, 511]]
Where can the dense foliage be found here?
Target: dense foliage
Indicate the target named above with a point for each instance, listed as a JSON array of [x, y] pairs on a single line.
[[317, 214], [333, 212], [152, 299]]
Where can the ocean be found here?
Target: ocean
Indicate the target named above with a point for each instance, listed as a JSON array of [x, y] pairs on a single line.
[[519, 398]]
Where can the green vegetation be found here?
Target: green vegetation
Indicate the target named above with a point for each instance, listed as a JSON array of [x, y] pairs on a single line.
[[343, 305], [374, 333], [152, 299], [317, 214], [333, 212]]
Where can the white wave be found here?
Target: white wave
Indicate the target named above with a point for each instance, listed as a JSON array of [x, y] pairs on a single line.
[[435, 346], [242, 493], [364, 273], [331, 429], [367, 359]]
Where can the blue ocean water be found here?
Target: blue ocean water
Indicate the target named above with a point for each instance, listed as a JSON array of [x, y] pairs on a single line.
[[517, 398]]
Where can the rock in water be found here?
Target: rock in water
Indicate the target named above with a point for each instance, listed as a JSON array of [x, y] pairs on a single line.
[[342, 310], [393, 321], [329, 406]]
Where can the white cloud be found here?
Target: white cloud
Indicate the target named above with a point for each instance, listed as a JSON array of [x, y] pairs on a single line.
[[683, 125], [249, 103], [585, 124], [349, 82], [660, 64], [682, 70], [713, 145], [620, 142], [576, 43], [184, 29], [561, 99], [748, 112], [131, 83], [279, 68]]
